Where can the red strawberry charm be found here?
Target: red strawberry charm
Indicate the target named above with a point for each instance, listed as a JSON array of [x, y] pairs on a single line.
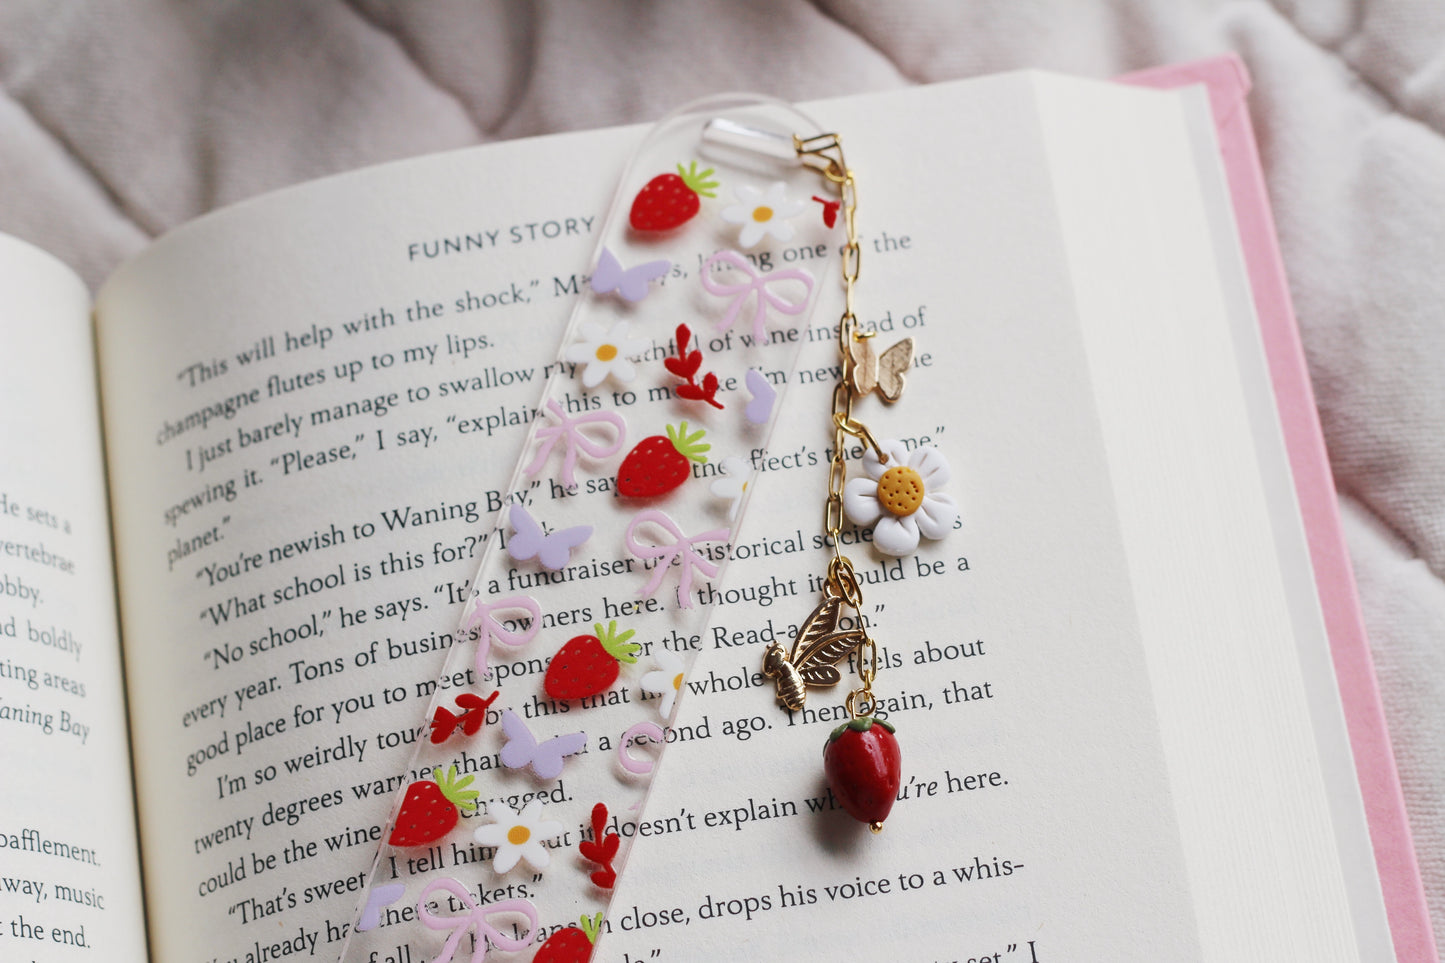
[[431, 807], [571, 944], [864, 769], [671, 200], [588, 664], [657, 465]]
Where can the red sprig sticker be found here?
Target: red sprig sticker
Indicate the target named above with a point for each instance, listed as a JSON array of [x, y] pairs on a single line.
[[473, 714], [601, 848], [830, 210], [686, 365]]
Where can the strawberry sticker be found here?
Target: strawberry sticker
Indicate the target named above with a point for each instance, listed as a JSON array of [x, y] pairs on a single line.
[[657, 465], [571, 944], [588, 664], [669, 201], [864, 769], [431, 807]]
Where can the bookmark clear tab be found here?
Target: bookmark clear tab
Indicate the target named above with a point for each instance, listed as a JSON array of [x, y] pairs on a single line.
[[516, 813]]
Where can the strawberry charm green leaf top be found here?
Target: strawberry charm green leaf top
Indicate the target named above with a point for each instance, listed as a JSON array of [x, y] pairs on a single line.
[[669, 201], [431, 807], [864, 768], [657, 465], [589, 664], [571, 944]]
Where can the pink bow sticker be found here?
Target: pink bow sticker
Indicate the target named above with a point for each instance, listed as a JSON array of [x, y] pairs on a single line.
[[678, 552], [756, 282], [568, 431], [640, 732], [492, 629], [474, 917]]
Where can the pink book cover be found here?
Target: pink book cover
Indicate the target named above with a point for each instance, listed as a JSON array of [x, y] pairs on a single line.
[[1227, 82]]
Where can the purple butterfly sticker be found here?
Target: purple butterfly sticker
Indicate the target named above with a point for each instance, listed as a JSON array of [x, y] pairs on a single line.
[[528, 540], [375, 900], [545, 758], [631, 284], [760, 408]]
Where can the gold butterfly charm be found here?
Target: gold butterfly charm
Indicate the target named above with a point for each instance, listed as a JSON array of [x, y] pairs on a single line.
[[886, 372], [818, 646]]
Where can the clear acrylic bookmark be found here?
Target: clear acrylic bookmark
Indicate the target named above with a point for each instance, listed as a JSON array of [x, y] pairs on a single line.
[[597, 580]]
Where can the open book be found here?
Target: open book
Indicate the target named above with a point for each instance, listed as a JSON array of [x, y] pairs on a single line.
[[1121, 730]]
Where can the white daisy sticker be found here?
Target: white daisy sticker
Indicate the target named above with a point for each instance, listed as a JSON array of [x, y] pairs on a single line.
[[901, 499], [762, 213], [605, 352], [732, 484], [518, 836], [665, 681]]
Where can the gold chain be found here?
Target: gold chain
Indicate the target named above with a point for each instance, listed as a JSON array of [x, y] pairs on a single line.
[[825, 154]]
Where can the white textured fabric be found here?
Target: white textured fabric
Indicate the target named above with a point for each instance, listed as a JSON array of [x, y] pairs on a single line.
[[121, 119]]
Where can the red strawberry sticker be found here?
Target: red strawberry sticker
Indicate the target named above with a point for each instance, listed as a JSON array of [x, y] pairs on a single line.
[[671, 200], [431, 807], [864, 769], [588, 664], [657, 465], [571, 944]]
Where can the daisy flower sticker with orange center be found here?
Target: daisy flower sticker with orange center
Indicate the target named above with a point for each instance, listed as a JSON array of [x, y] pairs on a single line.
[[605, 352], [518, 836], [732, 484], [762, 213], [901, 499], [665, 681]]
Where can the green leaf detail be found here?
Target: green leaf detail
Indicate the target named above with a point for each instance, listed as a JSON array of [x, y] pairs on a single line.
[[860, 724], [697, 181], [615, 643], [690, 446], [455, 789], [591, 925]]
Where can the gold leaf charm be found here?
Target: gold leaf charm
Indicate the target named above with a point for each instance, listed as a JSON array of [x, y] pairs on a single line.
[[885, 372]]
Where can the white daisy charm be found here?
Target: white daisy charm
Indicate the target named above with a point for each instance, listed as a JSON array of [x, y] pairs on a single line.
[[762, 213], [901, 499], [665, 681], [518, 836], [605, 352], [732, 484]]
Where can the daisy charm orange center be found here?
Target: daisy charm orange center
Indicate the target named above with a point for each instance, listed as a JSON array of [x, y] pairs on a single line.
[[900, 490]]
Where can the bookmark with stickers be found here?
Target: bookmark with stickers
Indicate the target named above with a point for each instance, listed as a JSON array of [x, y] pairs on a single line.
[[596, 583]]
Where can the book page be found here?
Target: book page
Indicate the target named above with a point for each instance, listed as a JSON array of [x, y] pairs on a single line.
[[1194, 468], [69, 871], [312, 401]]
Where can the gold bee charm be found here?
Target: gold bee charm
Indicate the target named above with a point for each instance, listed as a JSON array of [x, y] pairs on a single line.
[[887, 372], [816, 650]]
